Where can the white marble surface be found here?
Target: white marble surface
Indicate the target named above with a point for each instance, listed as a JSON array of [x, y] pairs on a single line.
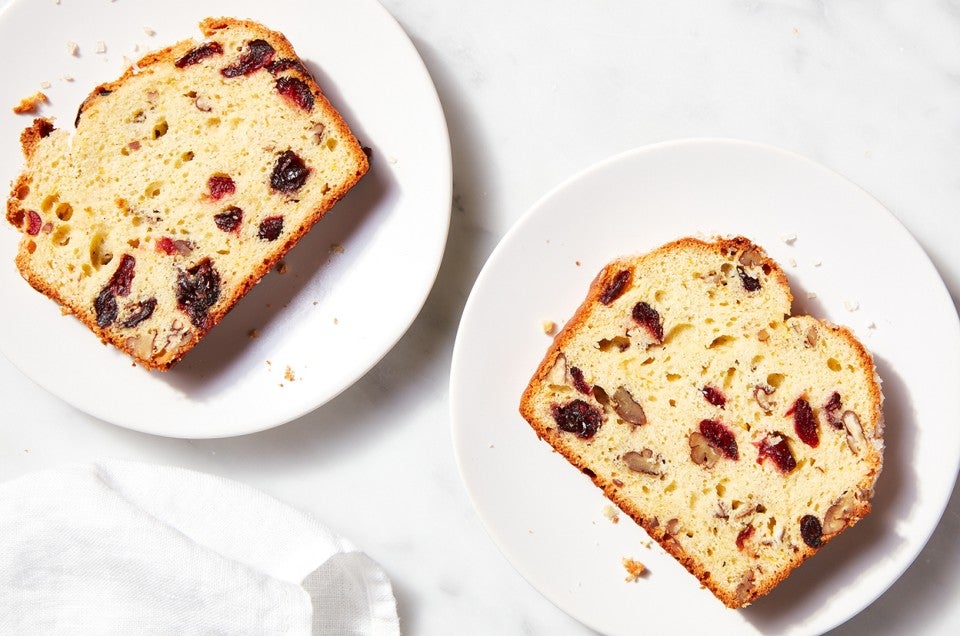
[[534, 92]]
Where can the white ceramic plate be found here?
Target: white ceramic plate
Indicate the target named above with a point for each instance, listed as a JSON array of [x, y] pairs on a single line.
[[333, 314], [549, 520]]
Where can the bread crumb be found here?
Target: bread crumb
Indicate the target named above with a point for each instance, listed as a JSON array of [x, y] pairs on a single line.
[[30, 104], [793, 262], [253, 334], [611, 513], [549, 327], [578, 263], [336, 322], [67, 78], [789, 239], [851, 305], [635, 569], [288, 374], [101, 47], [817, 263], [872, 325], [73, 48], [45, 84], [336, 248], [149, 31], [811, 295], [281, 268]]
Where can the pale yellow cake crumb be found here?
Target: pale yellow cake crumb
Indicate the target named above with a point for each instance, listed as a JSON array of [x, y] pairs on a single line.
[[635, 569], [288, 374], [612, 514], [549, 327]]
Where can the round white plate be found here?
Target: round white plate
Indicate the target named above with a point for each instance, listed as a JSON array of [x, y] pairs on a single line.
[[833, 240], [334, 312]]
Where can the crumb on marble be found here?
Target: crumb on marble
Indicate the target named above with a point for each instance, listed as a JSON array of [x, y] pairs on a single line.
[[31, 103], [635, 569], [336, 248], [549, 327]]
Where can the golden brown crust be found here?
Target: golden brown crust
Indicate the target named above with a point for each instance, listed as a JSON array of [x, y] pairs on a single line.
[[567, 444]]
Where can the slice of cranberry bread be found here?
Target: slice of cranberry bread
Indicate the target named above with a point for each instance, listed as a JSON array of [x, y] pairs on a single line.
[[741, 438], [185, 181]]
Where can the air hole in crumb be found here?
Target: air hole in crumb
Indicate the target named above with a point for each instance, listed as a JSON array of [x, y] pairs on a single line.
[[160, 129]]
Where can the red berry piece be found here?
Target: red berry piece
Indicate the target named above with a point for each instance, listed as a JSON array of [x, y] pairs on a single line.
[[229, 219], [578, 382], [105, 304], [165, 245], [259, 54], [34, 223], [776, 448], [713, 395], [270, 228], [296, 92], [289, 173], [616, 287], [286, 64], [833, 410], [579, 418], [804, 423], [143, 311], [220, 185], [721, 438], [811, 531], [197, 290], [197, 55], [749, 283], [649, 318], [744, 535], [122, 279]]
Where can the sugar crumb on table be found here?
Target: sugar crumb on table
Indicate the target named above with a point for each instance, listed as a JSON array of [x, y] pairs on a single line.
[[612, 514]]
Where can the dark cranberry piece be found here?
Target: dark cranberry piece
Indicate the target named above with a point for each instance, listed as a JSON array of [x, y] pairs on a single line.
[[220, 185], [285, 64], [198, 54], [720, 437], [34, 223], [259, 53], [143, 311], [833, 410], [166, 245], [749, 283], [649, 318], [578, 382], [779, 453], [270, 228], [744, 535], [615, 287], [713, 395], [578, 418], [122, 278], [811, 531], [804, 423], [105, 306], [289, 173], [229, 219], [198, 289], [296, 91]]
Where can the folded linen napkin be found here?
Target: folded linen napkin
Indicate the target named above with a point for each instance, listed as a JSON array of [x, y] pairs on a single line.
[[126, 547]]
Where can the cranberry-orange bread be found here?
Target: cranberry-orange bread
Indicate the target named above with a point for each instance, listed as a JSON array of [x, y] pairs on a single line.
[[741, 438], [185, 181]]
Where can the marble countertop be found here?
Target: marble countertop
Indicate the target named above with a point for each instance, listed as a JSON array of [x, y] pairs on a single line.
[[534, 92]]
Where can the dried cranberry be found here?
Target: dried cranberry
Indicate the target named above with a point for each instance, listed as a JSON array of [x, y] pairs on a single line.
[[143, 311], [744, 535], [749, 283], [289, 173], [616, 287], [833, 410], [296, 91], [220, 185], [270, 228], [578, 418], [578, 382], [259, 53], [649, 318], [285, 64], [105, 306], [198, 54], [122, 279], [720, 437], [34, 223], [165, 245], [713, 395], [778, 452], [197, 290], [804, 423], [229, 219], [811, 531]]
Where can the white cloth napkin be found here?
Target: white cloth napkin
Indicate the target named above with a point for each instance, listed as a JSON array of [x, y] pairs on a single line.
[[126, 547]]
